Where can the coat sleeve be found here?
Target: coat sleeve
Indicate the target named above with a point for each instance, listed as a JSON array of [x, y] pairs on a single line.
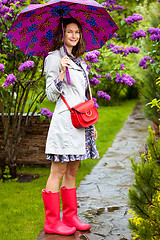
[[52, 70]]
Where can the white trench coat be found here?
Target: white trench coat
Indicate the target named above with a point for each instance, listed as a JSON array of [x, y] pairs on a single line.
[[62, 137]]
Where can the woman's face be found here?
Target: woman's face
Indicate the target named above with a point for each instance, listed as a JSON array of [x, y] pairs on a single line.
[[72, 35]]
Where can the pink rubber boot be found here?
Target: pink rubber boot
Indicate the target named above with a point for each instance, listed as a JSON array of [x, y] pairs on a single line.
[[69, 202]]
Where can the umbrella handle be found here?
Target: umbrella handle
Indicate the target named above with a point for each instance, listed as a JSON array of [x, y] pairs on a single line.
[[68, 76], [67, 70]]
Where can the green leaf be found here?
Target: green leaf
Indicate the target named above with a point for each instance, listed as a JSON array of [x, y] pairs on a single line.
[[42, 117], [157, 70], [38, 106]]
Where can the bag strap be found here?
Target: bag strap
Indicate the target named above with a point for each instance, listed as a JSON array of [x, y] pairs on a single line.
[[64, 100]]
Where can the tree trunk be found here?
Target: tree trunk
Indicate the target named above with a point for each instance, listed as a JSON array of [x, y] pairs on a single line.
[[3, 165], [13, 170], [12, 162]]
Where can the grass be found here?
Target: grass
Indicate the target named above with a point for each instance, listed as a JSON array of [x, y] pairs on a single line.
[[21, 205]]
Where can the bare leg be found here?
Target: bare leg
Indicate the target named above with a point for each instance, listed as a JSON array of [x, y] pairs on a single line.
[[70, 174], [57, 171]]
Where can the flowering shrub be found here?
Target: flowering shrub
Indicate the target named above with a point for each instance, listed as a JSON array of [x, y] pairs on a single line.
[[21, 88]]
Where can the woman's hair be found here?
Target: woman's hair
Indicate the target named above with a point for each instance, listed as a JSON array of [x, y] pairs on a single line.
[[77, 50]]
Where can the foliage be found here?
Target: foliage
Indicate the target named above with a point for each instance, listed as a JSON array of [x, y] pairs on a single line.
[[107, 74], [144, 197]]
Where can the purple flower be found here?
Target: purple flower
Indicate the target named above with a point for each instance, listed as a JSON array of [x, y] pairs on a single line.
[[155, 34], [117, 7], [120, 50], [108, 76], [143, 61], [96, 52], [46, 112], [126, 79], [110, 5], [88, 66], [91, 57], [154, 37], [103, 95], [138, 34], [154, 31], [26, 65], [109, 46], [98, 69], [94, 81], [1, 67], [4, 9], [97, 76], [95, 102], [133, 49], [5, 2], [133, 18], [10, 80], [115, 35], [122, 66]]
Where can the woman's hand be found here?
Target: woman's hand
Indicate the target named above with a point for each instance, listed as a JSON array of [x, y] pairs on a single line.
[[65, 62], [95, 133]]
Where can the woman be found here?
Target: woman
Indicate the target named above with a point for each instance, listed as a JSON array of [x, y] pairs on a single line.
[[66, 145]]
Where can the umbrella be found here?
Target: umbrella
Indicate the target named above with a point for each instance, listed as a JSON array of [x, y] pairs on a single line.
[[35, 26]]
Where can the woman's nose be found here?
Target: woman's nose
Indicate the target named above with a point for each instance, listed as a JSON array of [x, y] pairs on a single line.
[[73, 35]]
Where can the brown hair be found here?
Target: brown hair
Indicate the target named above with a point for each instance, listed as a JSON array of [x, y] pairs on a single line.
[[77, 50]]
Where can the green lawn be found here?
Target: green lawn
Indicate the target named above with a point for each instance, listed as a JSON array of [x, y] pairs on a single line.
[[21, 205]]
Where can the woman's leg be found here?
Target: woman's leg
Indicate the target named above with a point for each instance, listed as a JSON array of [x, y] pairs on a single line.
[[70, 174], [69, 198], [58, 169]]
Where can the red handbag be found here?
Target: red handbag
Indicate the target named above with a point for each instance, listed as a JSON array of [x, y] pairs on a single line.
[[84, 114]]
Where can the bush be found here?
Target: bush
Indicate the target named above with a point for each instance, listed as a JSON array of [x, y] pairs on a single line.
[[144, 197]]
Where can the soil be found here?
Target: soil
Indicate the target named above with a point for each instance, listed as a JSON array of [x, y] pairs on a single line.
[[24, 177]]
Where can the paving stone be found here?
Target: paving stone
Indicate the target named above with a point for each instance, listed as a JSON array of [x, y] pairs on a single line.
[[103, 195]]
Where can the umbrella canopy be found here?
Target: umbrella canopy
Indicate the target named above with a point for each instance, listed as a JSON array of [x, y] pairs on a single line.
[[35, 27]]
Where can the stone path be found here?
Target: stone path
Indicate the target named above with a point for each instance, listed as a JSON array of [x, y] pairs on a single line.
[[103, 195]]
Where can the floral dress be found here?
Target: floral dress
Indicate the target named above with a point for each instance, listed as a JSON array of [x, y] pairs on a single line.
[[90, 145]]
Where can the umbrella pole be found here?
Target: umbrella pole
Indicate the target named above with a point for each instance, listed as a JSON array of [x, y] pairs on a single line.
[[67, 71]]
